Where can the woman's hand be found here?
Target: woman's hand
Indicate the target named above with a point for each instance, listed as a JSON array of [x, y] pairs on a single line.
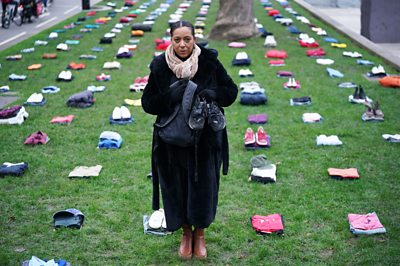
[[209, 94]]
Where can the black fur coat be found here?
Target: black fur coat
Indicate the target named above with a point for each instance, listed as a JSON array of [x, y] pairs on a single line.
[[185, 199]]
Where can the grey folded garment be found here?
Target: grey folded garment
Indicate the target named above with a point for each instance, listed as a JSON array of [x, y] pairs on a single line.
[[71, 218], [81, 99], [347, 85], [306, 100], [260, 161]]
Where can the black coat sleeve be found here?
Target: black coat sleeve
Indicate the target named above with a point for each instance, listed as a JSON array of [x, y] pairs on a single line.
[[155, 100], [227, 90]]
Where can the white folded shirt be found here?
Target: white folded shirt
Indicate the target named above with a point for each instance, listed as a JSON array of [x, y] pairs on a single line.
[[35, 98], [265, 173], [332, 140], [391, 138], [311, 117]]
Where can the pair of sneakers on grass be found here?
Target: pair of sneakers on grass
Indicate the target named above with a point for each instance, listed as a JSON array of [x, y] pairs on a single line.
[[260, 139]]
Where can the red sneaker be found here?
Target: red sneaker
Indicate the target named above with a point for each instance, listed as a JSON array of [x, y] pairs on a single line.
[[249, 137], [261, 137]]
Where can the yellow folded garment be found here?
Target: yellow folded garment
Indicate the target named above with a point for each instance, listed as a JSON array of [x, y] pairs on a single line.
[[339, 45], [133, 102]]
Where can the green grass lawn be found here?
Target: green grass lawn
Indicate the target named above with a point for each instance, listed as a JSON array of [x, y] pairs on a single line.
[[314, 206]]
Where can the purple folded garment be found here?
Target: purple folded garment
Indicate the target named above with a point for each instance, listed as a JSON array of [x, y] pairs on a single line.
[[257, 119], [283, 73], [9, 112], [124, 55]]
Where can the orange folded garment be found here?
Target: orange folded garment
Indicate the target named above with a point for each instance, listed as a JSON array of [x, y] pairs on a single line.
[[34, 66], [390, 81], [49, 56], [344, 173], [137, 33], [76, 66]]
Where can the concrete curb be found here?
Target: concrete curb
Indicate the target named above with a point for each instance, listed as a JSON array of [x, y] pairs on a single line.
[[362, 41]]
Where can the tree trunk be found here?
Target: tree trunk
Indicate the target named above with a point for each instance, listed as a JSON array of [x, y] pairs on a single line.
[[235, 20]]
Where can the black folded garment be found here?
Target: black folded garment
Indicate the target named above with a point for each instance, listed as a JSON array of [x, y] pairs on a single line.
[[143, 27], [105, 40], [304, 99]]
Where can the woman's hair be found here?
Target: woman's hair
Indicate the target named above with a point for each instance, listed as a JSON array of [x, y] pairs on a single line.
[[180, 24]]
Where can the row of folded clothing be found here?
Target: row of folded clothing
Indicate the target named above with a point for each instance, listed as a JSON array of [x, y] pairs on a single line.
[[264, 171], [18, 169], [17, 115], [107, 139], [360, 224]]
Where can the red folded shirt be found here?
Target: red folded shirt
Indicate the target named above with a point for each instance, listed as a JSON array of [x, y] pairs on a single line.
[[276, 54], [279, 62], [306, 44], [273, 12], [316, 52]]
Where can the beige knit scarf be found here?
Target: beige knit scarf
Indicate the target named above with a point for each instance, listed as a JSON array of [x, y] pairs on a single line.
[[183, 69]]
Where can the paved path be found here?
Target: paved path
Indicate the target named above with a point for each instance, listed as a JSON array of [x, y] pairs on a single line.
[[347, 20], [59, 11]]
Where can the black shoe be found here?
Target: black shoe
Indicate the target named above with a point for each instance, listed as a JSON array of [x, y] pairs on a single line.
[[198, 115], [216, 119], [361, 94], [356, 94]]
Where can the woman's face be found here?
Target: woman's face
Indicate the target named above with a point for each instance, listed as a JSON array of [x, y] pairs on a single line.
[[183, 42]]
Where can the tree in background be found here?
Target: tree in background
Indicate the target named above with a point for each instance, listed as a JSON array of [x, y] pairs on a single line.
[[235, 20]]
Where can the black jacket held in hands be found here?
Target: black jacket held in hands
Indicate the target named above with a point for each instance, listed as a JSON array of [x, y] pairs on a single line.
[[186, 200]]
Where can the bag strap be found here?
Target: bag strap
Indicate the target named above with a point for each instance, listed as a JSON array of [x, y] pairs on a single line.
[[170, 118], [187, 100]]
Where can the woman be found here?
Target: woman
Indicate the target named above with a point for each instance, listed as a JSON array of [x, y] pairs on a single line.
[[189, 202]]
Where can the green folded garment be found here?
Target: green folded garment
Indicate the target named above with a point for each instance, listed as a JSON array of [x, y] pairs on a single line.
[[260, 161], [72, 41]]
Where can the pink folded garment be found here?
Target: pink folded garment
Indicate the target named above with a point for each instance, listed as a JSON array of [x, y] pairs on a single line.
[[267, 224], [367, 221], [62, 119], [237, 44], [345, 173], [37, 138]]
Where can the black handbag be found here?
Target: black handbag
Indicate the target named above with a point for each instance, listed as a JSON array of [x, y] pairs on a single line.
[[174, 129]]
